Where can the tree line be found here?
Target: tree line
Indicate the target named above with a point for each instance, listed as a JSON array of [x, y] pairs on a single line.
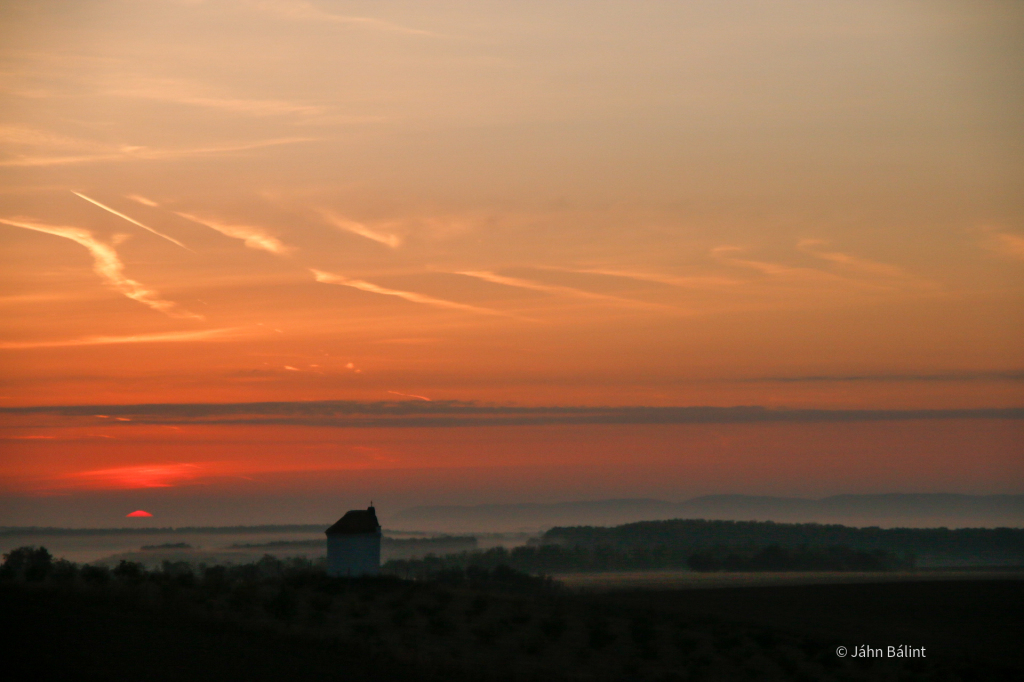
[[680, 537]]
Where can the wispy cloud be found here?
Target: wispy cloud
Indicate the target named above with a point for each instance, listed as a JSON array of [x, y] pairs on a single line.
[[862, 267], [135, 477], [342, 223], [847, 272], [188, 93], [727, 254], [107, 265], [32, 137], [810, 280], [300, 10], [1005, 244], [254, 237], [142, 200], [691, 282], [555, 289], [131, 220], [330, 278], [159, 337], [137, 153], [448, 414], [1005, 375]]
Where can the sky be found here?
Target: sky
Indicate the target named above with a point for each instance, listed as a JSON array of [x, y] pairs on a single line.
[[267, 260]]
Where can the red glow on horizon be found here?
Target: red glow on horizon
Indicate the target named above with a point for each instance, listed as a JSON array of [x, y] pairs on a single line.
[[126, 478], [138, 513]]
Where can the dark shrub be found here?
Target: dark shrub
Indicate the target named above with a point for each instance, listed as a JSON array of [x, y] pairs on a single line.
[[30, 563], [282, 605], [95, 575], [64, 571], [553, 626], [641, 629], [477, 606], [129, 571], [215, 578], [599, 634]]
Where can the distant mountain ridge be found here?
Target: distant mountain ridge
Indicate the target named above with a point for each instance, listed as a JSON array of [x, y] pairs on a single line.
[[913, 510]]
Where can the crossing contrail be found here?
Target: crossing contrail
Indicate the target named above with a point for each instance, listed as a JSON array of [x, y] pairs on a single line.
[[131, 220]]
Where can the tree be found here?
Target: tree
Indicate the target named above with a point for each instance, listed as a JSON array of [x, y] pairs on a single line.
[[29, 563]]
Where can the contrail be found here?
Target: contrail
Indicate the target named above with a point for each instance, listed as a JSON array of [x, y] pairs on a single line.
[[160, 337], [330, 278], [131, 220], [412, 395], [671, 280], [555, 289], [392, 240]]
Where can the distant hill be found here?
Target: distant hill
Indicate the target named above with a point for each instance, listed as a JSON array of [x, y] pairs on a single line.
[[930, 510], [528, 516]]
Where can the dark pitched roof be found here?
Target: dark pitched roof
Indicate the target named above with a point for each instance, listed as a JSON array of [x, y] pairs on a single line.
[[355, 522]]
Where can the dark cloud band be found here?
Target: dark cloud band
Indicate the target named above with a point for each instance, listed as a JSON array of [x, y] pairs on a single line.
[[948, 377], [420, 414]]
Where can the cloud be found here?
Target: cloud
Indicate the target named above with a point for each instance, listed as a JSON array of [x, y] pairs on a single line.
[[299, 10], [131, 220], [107, 265], [554, 289], [61, 148], [159, 337], [137, 153], [142, 200], [134, 477], [694, 282], [254, 237], [854, 273], [724, 255], [859, 274], [1005, 244], [31, 137], [450, 414], [1011, 375], [862, 267], [184, 92], [392, 240], [329, 278]]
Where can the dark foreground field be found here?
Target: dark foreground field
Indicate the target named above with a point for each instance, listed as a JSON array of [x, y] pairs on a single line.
[[395, 630], [976, 623]]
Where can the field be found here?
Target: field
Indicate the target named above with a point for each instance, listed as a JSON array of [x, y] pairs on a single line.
[[288, 621], [691, 580]]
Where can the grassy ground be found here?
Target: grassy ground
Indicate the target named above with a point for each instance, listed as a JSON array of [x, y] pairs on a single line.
[[393, 630], [688, 580], [977, 622], [75, 636]]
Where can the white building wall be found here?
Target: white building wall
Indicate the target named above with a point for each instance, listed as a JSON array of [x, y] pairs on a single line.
[[353, 555]]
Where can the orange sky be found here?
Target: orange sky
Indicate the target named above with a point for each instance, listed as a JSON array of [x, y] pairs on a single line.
[[544, 205]]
